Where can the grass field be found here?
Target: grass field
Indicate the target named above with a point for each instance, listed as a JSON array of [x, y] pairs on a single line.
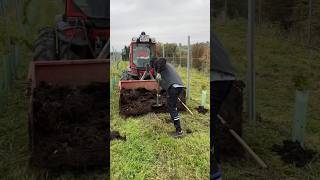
[[277, 61], [150, 152]]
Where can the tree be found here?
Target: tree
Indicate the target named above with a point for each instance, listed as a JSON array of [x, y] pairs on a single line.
[[200, 55], [125, 53]]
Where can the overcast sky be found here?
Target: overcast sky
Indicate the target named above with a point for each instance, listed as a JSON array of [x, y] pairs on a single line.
[[166, 20]]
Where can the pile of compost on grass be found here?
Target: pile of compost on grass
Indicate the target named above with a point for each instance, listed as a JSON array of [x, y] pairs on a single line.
[[70, 127], [292, 153], [134, 102], [202, 110], [231, 111], [115, 135]]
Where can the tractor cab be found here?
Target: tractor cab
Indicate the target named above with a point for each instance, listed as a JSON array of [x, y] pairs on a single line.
[[83, 29], [94, 12], [140, 74], [142, 52], [95, 9]]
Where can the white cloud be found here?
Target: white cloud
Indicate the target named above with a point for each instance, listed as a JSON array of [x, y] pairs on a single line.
[[166, 20]]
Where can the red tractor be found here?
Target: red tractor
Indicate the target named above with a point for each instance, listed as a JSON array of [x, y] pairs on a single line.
[[140, 74], [80, 33], [73, 53]]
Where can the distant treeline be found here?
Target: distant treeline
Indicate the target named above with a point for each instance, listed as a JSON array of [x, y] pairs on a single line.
[[290, 15]]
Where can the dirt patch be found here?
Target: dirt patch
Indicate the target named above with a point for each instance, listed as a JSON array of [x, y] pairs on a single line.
[[202, 110], [70, 127], [292, 153], [134, 102], [115, 135], [189, 131], [231, 110], [168, 121]]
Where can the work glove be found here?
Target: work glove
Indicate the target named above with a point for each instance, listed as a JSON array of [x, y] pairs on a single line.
[[158, 77]]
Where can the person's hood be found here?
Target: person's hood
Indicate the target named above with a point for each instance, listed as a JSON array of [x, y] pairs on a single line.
[[220, 61]]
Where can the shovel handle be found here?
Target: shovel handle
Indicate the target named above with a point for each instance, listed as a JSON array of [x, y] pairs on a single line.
[[186, 107], [244, 145]]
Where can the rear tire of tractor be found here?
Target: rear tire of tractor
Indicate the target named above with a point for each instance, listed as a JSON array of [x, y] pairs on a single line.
[[45, 46]]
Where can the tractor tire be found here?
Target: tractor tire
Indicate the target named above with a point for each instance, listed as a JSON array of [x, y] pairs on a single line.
[[45, 46]]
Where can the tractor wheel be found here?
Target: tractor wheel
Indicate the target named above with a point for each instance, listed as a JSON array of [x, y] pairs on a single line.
[[45, 46]]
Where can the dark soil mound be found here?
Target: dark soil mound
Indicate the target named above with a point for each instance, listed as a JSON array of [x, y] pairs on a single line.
[[231, 110], [202, 110], [189, 131], [134, 102], [70, 127], [292, 153], [114, 135]]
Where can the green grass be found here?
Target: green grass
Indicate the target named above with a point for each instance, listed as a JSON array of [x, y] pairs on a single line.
[[150, 152], [277, 60]]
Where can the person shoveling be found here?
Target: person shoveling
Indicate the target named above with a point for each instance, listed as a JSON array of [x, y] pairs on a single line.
[[170, 81]]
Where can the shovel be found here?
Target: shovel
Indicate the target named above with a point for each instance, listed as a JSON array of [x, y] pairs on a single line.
[[158, 104]]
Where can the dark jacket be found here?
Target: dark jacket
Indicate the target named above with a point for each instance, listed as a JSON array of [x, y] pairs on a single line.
[[219, 57], [169, 77]]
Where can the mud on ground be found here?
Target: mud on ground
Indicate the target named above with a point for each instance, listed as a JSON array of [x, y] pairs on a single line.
[[293, 153], [202, 110], [115, 135], [134, 102], [70, 127]]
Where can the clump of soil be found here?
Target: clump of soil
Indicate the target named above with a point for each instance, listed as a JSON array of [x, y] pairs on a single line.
[[292, 153], [70, 127], [168, 121], [231, 111], [189, 131], [202, 110], [115, 135], [134, 102]]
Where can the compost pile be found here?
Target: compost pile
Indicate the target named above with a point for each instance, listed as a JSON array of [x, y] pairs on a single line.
[[115, 135], [292, 153], [70, 127], [134, 102], [231, 111], [202, 110]]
